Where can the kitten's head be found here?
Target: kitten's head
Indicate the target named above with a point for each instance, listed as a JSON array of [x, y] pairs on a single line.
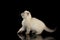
[[26, 14]]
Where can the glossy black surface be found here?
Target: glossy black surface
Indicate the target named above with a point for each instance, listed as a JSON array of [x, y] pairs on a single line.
[[36, 37]]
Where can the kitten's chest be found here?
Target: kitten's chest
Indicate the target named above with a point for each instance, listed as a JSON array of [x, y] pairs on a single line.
[[26, 22]]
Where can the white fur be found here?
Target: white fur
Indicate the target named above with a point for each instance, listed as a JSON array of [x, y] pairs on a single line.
[[32, 24]]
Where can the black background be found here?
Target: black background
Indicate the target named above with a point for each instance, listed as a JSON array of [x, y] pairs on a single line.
[[47, 11]]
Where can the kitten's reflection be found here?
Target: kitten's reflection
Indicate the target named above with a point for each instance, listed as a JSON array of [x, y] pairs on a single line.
[[34, 37]]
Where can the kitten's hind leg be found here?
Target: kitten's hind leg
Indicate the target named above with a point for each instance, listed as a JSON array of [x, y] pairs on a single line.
[[39, 32]]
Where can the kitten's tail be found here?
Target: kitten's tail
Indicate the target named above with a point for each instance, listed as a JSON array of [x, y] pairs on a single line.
[[49, 30]]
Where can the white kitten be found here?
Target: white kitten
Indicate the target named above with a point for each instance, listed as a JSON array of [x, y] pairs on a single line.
[[32, 24]]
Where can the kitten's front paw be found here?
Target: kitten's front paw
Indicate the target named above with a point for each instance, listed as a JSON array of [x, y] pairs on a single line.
[[27, 33], [33, 31], [19, 32]]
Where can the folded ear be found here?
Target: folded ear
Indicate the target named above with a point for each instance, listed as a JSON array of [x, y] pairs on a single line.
[[27, 13]]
